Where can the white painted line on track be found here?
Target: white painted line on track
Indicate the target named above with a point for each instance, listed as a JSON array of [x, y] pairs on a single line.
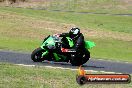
[[114, 61], [26, 65], [69, 69], [107, 72], [60, 68]]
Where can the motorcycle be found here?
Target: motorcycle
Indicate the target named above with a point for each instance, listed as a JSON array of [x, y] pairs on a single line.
[[52, 50]]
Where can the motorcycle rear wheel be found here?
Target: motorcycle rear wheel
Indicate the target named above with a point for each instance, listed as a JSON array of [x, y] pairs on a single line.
[[81, 58]]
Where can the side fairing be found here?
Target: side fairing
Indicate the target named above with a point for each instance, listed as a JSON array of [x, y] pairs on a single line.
[[89, 44], [48, 42]]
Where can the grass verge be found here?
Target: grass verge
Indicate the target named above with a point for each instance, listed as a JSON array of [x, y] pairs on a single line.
[[13, 76], [105, 22], [96, 6]]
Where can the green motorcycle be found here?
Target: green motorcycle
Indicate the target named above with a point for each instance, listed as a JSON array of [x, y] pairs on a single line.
[[52, 50]]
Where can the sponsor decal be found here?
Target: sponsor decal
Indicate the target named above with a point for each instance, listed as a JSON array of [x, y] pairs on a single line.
[[68, 50]]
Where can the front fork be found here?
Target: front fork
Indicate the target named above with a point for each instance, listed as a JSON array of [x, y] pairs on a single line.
[[44, 53]]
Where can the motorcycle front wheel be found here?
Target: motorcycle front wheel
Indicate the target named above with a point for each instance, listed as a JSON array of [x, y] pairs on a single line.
[[36, 55]]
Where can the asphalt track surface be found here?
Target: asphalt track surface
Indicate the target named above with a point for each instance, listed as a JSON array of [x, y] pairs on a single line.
[[92, 64]]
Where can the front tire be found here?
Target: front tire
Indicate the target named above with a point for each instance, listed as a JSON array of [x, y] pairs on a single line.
[[36, 55]]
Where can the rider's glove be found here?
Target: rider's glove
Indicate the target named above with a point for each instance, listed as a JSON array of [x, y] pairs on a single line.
[[57, 35]]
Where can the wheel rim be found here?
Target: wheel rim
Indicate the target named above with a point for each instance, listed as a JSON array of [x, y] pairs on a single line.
[[38, 56]]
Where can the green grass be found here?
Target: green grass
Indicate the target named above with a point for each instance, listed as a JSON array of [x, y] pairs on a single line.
[[13, 76], [96, 6], [105, 22], [24, 30], [112, 49], [18, 44]]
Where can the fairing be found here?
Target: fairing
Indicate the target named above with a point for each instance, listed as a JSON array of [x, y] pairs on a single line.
[[89, 44]]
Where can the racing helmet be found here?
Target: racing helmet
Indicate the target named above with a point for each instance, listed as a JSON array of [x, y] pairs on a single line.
[[74, 32]]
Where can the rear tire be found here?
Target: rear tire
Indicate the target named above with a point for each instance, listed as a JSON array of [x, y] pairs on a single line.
[[36, 55], [86, 56], [81, 58]]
